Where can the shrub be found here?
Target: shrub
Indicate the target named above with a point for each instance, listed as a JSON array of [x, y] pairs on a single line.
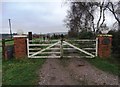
[[86, 35], [115, 42]]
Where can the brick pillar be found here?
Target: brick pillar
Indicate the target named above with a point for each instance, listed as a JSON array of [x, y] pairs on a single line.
[[20, 46], [104, 45]]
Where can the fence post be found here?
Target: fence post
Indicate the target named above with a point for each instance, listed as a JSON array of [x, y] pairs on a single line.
[[96, 47], [3, 48], [30, 35], [61, 49], [28, 47]]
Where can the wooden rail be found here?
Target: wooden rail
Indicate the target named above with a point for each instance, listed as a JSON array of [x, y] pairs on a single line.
[[82, 40], [44, 49], [79, 49], [39, 44], [44, 56], [46, 52]]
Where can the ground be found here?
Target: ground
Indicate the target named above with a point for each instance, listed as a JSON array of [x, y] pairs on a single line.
[[63, 71], [73, 72]]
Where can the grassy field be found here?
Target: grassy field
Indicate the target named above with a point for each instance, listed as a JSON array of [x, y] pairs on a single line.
[[9, 43], [0, 62], [0, 65], [109, 65], [21, 72]]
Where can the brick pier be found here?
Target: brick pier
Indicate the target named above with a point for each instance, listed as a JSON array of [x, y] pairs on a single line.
[[104, 45], [20, 46]]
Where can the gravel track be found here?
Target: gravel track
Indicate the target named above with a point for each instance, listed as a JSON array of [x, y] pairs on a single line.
[[74, 72]]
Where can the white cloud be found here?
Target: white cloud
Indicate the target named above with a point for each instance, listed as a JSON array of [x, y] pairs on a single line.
[[42, 16]]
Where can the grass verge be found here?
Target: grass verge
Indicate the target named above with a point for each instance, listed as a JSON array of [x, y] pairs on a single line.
[[105, 65], [0, 66], [21, 72]]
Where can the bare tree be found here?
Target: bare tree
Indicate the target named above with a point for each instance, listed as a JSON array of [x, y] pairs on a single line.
[[111, 7], [102, 6], [81, 16]]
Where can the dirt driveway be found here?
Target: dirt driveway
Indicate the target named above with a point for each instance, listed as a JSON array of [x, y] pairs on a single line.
[[73, 72]]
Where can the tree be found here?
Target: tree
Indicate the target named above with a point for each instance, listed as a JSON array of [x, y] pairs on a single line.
[[80, 17], [101, 11], [115, 43]]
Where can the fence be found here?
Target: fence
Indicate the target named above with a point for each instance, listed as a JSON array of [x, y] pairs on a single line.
[[47, 48], [7, 48]]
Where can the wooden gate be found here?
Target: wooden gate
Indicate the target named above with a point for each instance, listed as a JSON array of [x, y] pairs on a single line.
[[56, 48]]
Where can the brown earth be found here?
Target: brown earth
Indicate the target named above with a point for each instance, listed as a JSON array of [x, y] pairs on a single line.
[[73, 72]]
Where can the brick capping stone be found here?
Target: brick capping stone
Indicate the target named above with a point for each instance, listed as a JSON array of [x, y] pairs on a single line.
[[19, 36]]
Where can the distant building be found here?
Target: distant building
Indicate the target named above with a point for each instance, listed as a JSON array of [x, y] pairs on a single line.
[[57, 33]]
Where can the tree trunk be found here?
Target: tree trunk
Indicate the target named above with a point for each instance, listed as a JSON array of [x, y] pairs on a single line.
[[118, 25], [99, 20], [103, 17], [98, 23]]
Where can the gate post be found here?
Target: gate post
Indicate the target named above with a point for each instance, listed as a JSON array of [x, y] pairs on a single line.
[[20, 46], [61, 46], [30, 35], [104, 45], [61, 49]]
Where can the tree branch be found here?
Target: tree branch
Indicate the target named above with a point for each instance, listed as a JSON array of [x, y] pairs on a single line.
[[113, 12], [103, 17]]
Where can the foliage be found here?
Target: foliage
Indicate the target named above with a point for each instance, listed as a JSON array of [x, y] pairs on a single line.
[[72, 34], [115, 42], [82, 35], [86, 35], [55, 36], [21, 72]]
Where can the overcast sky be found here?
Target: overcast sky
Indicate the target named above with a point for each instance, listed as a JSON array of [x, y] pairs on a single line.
[[38, 16]]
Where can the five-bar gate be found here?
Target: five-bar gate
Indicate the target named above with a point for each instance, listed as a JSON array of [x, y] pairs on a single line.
[[57, 48]]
